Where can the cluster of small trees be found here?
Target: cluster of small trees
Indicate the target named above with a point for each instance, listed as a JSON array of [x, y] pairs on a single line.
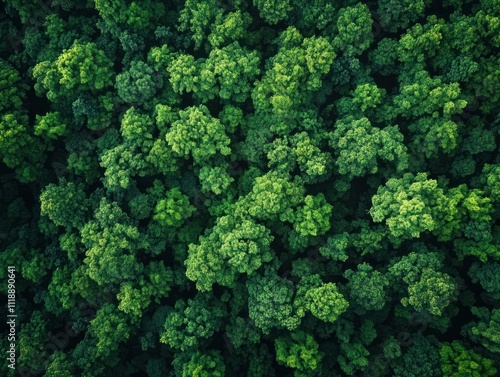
[[252, 188]]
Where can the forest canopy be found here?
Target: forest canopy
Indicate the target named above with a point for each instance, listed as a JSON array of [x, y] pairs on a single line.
[[251, 188]]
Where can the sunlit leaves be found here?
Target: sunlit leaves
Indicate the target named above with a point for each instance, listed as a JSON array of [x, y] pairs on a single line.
[[174, 209], [198, 134]]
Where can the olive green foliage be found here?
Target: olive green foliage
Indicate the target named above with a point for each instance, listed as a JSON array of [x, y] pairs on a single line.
[[198, 188], [83, 67], [456, 361], [358, 145], [367, 287], [233, 246], [198, 134], [190, 322], [324, 301], [273, 11], [173, 210], [200, 365], [270, 302], [299, 352]]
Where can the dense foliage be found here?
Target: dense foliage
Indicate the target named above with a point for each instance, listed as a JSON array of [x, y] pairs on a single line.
[[251, 188]]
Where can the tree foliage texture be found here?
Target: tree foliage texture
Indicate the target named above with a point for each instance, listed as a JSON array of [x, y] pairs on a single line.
[[198, 188]]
